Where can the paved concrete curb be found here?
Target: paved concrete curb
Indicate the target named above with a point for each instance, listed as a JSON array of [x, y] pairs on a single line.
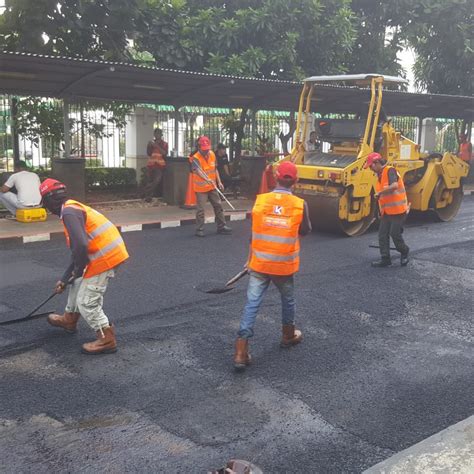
[[166, 224], [450, 450]]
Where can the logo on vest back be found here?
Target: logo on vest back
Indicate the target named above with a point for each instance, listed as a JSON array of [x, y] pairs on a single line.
[[278, 210]]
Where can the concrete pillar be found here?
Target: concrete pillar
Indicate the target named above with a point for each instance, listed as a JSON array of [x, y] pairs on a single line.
[[428, 135], [138, 132]]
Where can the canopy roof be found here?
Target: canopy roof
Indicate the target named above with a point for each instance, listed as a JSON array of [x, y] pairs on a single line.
[[55, 76]]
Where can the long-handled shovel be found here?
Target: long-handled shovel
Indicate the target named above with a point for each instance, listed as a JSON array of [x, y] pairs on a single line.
[[221, 194], [32, 315], [213, 288]]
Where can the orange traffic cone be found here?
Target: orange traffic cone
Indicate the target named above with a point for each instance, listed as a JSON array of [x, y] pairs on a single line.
[[263, 183], [190, 199], [268, 181]]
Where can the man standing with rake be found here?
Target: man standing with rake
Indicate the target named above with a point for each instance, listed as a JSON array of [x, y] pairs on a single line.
[[206, 182]]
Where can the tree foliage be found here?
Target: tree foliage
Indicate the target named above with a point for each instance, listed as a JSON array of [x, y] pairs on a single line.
[[283, 39], [442, 34]]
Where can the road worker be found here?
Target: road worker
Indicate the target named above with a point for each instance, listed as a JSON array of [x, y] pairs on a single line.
[[277, 219], [206, 180], [465, 148], [393, 205], [97, 250]]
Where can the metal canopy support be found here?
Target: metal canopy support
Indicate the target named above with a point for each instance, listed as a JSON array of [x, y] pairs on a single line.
[[253, 128], [67, 130], [420, 128], [176, 131]]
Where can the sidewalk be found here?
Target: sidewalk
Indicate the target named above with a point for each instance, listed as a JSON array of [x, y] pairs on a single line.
[[468, 189], [127, 220], [450, 450]]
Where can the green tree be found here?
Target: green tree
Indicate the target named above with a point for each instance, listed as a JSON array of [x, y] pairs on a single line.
[[379, 35], [442, 35], [95, 29]]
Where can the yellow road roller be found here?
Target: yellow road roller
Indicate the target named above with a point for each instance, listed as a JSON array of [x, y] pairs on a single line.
[[330, 154]]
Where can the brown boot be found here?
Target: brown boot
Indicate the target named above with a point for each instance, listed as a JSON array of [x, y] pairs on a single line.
[[66, 321], [241, 357], [105, 343], [290, 335]]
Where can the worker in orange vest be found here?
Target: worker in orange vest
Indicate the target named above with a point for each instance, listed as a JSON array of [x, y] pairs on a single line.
[[465, 148], [393, 205], [206, 180], [278, 218], [97, 250]]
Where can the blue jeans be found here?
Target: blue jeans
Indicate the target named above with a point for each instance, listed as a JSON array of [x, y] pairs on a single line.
[[258, 284]]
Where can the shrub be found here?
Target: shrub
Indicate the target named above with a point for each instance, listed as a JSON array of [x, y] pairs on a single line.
[[110, 177]]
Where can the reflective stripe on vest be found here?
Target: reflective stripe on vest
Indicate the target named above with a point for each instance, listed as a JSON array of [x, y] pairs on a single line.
[[394, 202], [276, 218], [106, 248], [200, 185]]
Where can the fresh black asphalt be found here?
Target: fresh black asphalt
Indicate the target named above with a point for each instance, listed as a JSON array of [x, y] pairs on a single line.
[[386, 361]]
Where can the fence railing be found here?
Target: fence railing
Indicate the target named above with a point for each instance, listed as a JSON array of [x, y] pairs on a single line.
[[99, 132]]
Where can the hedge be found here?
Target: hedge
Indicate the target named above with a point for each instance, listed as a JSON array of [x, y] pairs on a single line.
[[102, 178], [110, 177]]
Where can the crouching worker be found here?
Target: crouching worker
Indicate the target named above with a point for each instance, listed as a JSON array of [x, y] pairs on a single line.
[[97, 249], [277, 219]]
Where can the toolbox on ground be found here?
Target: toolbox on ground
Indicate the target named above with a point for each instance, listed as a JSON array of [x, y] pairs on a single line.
[[35, 214]]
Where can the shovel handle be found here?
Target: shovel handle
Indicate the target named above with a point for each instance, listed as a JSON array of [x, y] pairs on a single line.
[[237, 277]]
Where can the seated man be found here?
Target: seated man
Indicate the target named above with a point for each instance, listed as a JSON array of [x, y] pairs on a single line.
[[26, 184]]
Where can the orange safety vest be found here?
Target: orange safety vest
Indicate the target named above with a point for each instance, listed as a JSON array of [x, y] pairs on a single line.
[[465, 151], [276, 218], [156, 160], [396, 201], [200, 185], [106, 248]]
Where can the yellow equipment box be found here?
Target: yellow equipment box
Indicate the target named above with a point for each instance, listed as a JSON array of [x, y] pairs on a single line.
[[35, 214]]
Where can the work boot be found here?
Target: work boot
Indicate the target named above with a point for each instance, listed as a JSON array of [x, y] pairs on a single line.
[[404, 259], [290, 335], [384, 262], [105, 343], [66, 321], [199, 233], [241, 357], [226, 230]]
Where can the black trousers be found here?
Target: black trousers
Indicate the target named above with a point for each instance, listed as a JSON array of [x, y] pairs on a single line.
[[392, 226]]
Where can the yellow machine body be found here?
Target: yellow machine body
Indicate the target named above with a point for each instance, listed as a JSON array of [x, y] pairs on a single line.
[[340, 192], [35, 214]]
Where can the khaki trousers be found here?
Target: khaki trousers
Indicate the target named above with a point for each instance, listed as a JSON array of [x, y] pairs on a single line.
[[86, 296], [215, 200]]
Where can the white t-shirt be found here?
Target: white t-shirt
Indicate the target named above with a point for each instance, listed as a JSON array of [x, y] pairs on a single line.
[[27, 186]]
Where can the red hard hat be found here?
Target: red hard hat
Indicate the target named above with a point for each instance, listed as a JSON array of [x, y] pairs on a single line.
[[371, 157], [287, 169], [204, 143], [49, 185]]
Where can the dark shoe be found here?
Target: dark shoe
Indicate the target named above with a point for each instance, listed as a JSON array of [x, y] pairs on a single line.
[[381, 263], [200, 233], [148, 199], [290, 335], [226, 230], [241, 357], [66, 321], [404, 259], [105, 343]]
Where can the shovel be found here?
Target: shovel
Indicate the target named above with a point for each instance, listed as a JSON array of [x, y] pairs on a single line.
[[32, 315], [213, 288]]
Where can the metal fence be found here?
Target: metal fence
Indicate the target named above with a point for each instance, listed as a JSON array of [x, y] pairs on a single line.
[[99, 131]]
